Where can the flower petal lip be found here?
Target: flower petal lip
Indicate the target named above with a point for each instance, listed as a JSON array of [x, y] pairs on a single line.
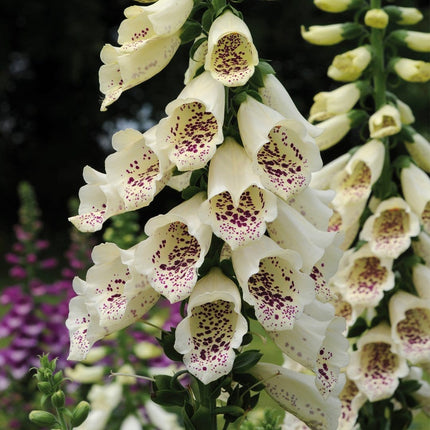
[[385, 122], [231, 56], [238, 207], [411, 70], [174, 250], [296, 393], [349, 66], [272, 282], [214, 304], [193, 127], [390, 229], [410, 326]]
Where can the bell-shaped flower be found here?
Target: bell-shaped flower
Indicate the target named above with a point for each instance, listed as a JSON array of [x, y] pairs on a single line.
[[296, 393], [421, 280], [336, 128], [99, 200], [274, 95], [336, 6], [404, 15], [180, 182], [282, 153], [319, 346], [149, 37], [406, 115], [336, 102], [197, 60], [272, 282], [137, 172], [346, 222], [376, 18], [350, 65], [353, 184], [174, 250], [390, 228], [321, 180], [331, 34], [376, 366], [231, 56], [193, 127], [212, 329], [410, 326], [352, 400], [344, 309], [411, 70], [291, 230], [415, 40], [385, 122], [419, 150], [112, 297], [362, 277], [238, 207], [124, 68], [416, 190]]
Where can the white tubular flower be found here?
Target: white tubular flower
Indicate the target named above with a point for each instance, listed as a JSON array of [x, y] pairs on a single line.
[[113, 296], [231, 56], [421, 247], [313, 204], [404, 15], [273, 283], [421, 280], [362, 277], [336, 128], [317, 345], [331, 34], [212, 328], [321, 180], [350, 65], [158, 415], [410, 326], [385, 122], [336, 6], [149, 38], [352, 400], [99, 200], [344, 309], [336, 102], [125, 68], [406, 115], [416, 190], [353, 184], [282, 153], [131, 423], [136, 171], [274, 95], [238, 207], [415, 40], [197, 60], [412, 70], [419, 150], [290, 230], [175, 249], [377, 366], [346, 222], [193, 127], [390, 228], [296, 393]]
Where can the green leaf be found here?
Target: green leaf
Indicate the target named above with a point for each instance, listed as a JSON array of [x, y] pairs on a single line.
[[231, 410], [409, 386], [196, 46], [190, 30], [265, 68], [207, 20], [218, 4], [358, 328], [167, 341], [255, 95], [190, 191], [201, 417], [246, 360], [169, 397]]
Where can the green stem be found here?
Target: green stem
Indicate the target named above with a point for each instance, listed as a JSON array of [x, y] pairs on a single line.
[[377, 43], [207, 400], [61, 420]]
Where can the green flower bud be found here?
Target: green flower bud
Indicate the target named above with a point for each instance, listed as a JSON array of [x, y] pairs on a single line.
[[58, 399], [44, 387], [42, 418], [80, 413], [404, 15]]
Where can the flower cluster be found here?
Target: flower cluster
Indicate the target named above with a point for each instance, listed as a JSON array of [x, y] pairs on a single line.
[[381, 207], [251, 239]]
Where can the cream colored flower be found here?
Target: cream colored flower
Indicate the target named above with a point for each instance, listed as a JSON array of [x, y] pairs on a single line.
[[421, 279], [419, 149], [404, 15], [415, 40], [412, 70], [350, 65], [336, 6], [376, 18], [330, 34], [406, 114], [385, 122]]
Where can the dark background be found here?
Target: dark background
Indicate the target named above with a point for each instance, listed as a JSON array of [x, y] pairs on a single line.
[[50, 123]]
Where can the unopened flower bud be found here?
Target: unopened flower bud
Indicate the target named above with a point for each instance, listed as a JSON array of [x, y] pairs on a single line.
[[336, 6], [416, 40], [80, 413], [406, 115], [411, 70], [42, 418], [44, 387], [58, 399], [349, 66], [404, 15], [385, 122], [331, 34], [376, 18], [419, 150]]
